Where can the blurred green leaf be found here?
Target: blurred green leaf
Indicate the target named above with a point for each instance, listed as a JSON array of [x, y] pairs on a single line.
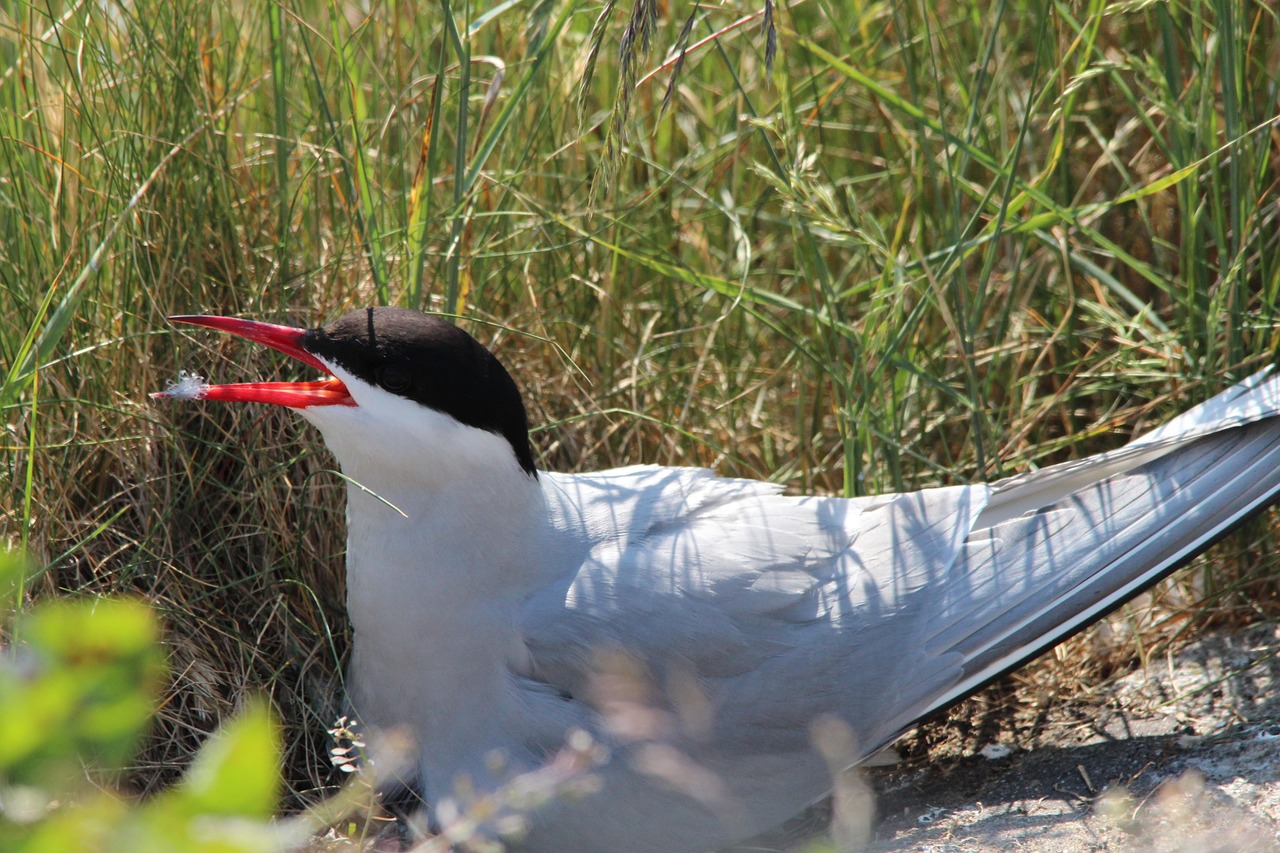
[[237, 773], [77, 692], [79, 689]]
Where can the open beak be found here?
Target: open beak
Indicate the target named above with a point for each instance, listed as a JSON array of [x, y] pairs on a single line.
[[286, 339]]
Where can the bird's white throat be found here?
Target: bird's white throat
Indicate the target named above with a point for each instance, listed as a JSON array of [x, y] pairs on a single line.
[[441, 522]]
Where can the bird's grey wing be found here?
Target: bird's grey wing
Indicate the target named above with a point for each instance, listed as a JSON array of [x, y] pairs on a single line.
[[726, 580], [885, 610], [1246, 402], [1088, 536], [1254, 399]]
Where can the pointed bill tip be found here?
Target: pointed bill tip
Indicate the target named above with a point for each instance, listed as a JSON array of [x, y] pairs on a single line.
[[285, 339]]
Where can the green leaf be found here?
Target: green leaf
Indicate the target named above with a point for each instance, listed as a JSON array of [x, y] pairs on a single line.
[[79, 689], [237, 773]]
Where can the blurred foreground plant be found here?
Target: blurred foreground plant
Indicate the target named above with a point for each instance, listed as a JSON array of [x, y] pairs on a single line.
[[78, 684]]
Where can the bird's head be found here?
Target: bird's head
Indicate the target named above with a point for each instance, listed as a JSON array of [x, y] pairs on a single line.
[[405, 391]]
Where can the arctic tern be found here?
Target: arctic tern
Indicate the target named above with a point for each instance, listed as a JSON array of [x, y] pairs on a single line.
[[695, 627]]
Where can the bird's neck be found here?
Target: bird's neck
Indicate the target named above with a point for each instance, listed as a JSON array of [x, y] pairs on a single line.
[[435, 578]]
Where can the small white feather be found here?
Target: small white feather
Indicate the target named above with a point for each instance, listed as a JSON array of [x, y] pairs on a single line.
[[190, 386], [996, 751]]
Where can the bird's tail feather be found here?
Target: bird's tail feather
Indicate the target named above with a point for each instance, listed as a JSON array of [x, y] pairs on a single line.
[[1255, 399], [1112, 526]]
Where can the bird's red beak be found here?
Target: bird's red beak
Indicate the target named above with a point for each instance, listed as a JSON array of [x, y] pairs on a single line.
[[286, 339]]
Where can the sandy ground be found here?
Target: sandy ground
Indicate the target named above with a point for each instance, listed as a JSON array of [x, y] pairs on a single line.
[[1184, 756]]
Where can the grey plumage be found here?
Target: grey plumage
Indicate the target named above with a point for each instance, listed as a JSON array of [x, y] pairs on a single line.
[[879, 611]]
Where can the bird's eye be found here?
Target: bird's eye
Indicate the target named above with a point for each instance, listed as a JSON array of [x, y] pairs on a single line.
[[397, 380]]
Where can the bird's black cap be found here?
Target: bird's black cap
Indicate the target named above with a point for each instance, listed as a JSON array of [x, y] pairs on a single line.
[[432, 362]]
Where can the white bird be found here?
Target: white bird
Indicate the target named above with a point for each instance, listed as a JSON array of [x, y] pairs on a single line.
[[696, 627]]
